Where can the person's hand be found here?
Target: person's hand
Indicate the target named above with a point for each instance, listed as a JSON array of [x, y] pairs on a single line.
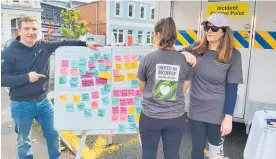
[[33, 76], [226, 125], [93, 45], [190, 58]]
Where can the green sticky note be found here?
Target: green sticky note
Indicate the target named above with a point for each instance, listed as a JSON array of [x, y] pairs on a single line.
[[92, 58], [138, 110], [97, 56], [82, 71], [132, 127], [80, 106], [73, 84], [115, 101], [85, 97], [101, 112], [106, 56], [62, 80], [131, 118], [82, 58], [107, 87], [69, 107], [82, 64], [75, 79], [105, 100], [121, 127], [137, 101], [95, 73], [74, 64], [87, 113], [102, 67], [104, 92]]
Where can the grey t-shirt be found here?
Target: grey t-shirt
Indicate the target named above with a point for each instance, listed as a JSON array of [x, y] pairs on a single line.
[[164, 73], [207, 91]]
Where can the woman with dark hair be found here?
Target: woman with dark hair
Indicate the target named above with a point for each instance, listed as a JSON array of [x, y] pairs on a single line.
[[213, 92], [163, 78]]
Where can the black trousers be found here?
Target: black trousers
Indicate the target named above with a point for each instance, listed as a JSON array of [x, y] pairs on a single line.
[[171, 131]]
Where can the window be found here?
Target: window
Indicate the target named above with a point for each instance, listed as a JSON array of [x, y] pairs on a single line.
[[142, 12], [15, 0], [26, 1], [118, 35], [149, 37], [152, 14], [118, 9], [140, 37], [129, 32], [131, 10]]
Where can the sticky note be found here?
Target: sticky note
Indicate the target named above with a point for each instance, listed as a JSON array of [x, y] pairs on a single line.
[[131, 118], [115, 118], [101, 67], [128, 65], [97, 55], [94, 105], [138, 110], [62, 80], [118, 58], [63, 97], [140, 57], [123, 92], [107, 87], [130, 101], [64, 63], [95, 73], [80, 106], [123, 102], [116, 72], [87, 75], [101, 112], [131, 110], [131, 76], [73, 84], [118, 66], [101, 81], [137, 117], [64, 71], [130, 92], [105, 75], [76, 98], [87, 113], [127, 58], [107, 63], [91, 64], [138, 93], [134, 57], [132, 127], [69, 108], [122, 127], [74, 64], [85, 97], [115, 101], [105, 100], [123, 110], [82, 58], [116, 93], [74, 71], [100, 59], [87, 82], [134, 84], [119, 78], [92, 58], [107, 56], [82, 64], [74, 79], [135, 65], [82, 71], [115, 110], [95, 95], [104, 92], [137, 101], [123, 118]]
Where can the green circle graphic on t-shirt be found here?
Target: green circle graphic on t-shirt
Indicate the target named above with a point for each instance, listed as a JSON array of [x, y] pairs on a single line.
[[165, 90]]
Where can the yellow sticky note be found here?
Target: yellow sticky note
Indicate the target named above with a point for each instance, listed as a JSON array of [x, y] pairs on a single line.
[[63, 97], [137, 117], [119, 78], [76, 98], [119, 66], [131, 76], [131, 110], [135, 65], [105, 75], [128, 65]]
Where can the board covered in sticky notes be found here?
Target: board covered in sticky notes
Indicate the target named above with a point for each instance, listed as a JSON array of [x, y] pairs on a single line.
[[97, 90]]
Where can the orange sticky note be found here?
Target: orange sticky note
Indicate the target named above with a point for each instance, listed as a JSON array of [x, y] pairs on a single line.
[[105, 75], [137, 117], [119, 78], [128, 65], [116, 72], [119, 66], [63, 97], [131, 110], [131, 76], [135, 65], [107, 63], [76, 98]]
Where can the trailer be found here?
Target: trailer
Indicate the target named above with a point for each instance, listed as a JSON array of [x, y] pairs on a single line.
[[254, 30]]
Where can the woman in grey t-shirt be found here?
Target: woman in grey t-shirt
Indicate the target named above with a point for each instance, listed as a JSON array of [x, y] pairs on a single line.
[[163, 78], [213, 91]]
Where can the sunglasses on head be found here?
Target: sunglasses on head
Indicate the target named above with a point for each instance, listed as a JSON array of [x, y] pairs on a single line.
[[213, 28]]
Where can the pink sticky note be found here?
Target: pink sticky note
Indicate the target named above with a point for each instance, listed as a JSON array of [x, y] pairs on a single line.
[[116, 72], [115, 110], [123, 92], [74, 72], [115, 117], [100, 59], [94, 104], [87, 82], [138, 93], [64, 63], [95, 95], [123, 102], [134, 57], [101, 81], [107, 63], [130, 92], [118, 58], [123, 118], [123, 110], [91, 64], [127, 58], [64, 71], [130, 101], [116, 93], [87, 75]]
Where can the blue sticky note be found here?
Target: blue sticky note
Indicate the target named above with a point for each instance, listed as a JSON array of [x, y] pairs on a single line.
[[74, 64], [92, 58], [97, 56], [62, 80], [140, 57], [69, 107], [137, 101], [101, 67], [82, 58], [87, 113], [104, 92], [121, 127], [115, 101], [101, 112], [82, 71], [73, 84], [92, 69], [107, 56], [130, 118], [82, 64], [132, 126], [85, 97], [138, 110], [105, 100], [107, 87], [80, 106], [75, 79], [134, 84], [95, 73]]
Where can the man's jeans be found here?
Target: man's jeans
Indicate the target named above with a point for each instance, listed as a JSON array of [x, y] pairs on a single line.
[[23, 113]]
